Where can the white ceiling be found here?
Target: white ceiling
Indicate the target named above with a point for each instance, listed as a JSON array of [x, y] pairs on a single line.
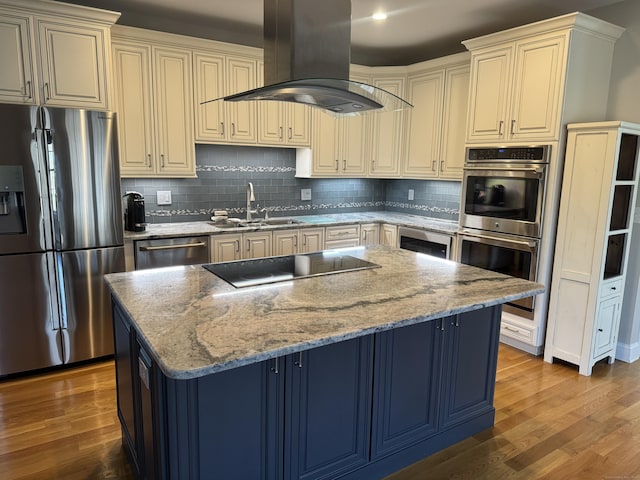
[[414, 30]]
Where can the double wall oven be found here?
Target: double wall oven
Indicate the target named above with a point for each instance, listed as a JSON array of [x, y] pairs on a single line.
[[501, 215]]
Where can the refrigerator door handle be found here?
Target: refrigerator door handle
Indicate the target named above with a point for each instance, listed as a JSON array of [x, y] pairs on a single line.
[[53, 187], [60, 296]]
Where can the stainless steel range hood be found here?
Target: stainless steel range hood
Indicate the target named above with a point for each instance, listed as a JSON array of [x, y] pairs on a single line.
[[307, 50]]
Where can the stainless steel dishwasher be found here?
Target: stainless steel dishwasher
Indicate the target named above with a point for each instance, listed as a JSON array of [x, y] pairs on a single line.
[[166, 252]]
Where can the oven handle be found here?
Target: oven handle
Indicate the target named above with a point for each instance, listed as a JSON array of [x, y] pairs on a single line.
[[529, 244], [537, 171]]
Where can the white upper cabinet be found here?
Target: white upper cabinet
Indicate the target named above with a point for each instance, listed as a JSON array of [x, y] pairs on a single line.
[[516, 94], [154, 102], [283, 123], [54, 54], [438, 93], [528, 81], [387, 131], [17, 82], [218, 75]]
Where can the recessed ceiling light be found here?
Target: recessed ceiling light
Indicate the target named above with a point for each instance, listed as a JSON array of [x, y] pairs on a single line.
[[379, 16]]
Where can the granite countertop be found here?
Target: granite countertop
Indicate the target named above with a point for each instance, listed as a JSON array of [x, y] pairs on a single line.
[[164, 230], [196, 324]]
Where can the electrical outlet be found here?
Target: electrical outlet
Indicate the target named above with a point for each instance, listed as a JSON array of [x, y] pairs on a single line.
[[411, 194], [305, 194], [163, 197]]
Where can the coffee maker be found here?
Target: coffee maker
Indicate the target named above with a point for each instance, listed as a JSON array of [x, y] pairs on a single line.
[[134, 212]]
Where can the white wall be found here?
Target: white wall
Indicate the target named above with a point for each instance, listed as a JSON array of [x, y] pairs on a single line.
[[624, 104]]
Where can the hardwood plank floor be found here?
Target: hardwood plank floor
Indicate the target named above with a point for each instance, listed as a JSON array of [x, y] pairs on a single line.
[[551, 423]]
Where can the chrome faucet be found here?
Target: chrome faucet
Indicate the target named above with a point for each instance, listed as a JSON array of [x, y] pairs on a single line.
[[250, 198]]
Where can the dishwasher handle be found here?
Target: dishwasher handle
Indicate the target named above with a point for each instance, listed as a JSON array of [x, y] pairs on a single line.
[[172, 247]]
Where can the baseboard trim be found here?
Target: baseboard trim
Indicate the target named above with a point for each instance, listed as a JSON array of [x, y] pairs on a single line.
[[628, 352]]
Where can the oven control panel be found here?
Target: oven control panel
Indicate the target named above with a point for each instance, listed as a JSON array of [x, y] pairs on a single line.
[[509, 154]]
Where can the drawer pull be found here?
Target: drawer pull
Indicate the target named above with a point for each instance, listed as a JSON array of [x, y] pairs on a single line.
[[173, 247]]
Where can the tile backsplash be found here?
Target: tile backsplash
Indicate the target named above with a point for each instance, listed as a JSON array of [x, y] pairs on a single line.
[[224, 172]]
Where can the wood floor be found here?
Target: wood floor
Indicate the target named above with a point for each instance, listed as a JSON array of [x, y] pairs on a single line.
[[551, 423]]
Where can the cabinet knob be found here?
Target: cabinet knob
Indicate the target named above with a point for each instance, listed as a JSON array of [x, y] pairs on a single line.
[[28, 89], [500, 128], [222, 129], [600, 330]]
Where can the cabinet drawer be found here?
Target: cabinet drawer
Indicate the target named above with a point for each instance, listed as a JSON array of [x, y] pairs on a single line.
[[343, 233], [346, 243], [611, 288], [515, 331]]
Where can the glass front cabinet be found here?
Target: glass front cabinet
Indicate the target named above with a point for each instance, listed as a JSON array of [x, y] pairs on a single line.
[[599, 190]]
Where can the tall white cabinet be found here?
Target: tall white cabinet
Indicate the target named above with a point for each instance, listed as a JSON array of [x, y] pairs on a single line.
[[599, 191]]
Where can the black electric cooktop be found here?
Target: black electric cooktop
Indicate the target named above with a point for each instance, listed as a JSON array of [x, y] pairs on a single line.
[[259, 271]]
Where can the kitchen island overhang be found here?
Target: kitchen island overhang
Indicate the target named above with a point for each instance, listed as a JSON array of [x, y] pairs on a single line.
[[197, 348], [195, 323]]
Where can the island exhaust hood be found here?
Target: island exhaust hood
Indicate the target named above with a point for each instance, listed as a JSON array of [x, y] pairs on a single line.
[[307, 50]]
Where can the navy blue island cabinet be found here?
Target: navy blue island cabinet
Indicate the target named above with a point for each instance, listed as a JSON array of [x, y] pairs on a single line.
[[357, 409]]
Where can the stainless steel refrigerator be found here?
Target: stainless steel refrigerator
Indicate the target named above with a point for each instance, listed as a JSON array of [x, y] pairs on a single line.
[[60, 232]]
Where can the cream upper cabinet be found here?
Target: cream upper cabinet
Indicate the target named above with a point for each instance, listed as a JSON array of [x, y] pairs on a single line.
[[174, 112], [218, 75], [283, 123], [599, 190], [526, 82], [387, 132], [55, 54], [154, 99], [516, 94], [437, 121], [17, 83]]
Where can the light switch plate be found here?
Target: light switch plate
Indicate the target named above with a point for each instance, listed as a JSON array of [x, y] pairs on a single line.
[[305, 194], [411, 193], [163, 197]]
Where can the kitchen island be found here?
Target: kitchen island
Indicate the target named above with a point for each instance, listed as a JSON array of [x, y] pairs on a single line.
[[351, 375]]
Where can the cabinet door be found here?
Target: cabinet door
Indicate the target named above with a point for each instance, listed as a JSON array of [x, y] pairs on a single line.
[[387, 140], [389, 235], [490, 77], [406, 376], [370, 234], [456, 100], [271, 123], [209, 85], [240, 125], [126, 382], [226, 248], [257, 245], [311, 240], [16, 76], [606, 326], [285, 242], [324, 145], [134, 104], [329, 410], [298, 131], [470, 357], [352, 145], [73, 64], [425, 123], [239, 431], [538, 81], [174, 112]]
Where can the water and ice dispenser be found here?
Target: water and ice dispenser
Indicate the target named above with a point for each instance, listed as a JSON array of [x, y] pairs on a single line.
[[12, 211]]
